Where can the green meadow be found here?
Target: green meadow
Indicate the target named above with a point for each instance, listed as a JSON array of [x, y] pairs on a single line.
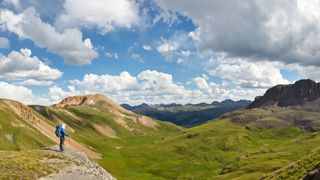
[[218, 148]]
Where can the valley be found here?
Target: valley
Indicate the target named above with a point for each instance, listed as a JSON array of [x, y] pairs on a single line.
[[188, 115], [249, 143]]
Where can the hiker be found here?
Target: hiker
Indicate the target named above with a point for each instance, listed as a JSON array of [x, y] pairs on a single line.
[[61, 133]]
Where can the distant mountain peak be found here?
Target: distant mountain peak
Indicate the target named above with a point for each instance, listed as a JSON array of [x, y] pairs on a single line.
[[288, 95]]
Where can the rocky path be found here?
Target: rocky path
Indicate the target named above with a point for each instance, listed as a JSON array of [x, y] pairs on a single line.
[[79, 168]]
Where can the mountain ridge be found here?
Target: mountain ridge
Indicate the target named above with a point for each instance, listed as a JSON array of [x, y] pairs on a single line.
[[187, 115], [298, 93], [245, 144]]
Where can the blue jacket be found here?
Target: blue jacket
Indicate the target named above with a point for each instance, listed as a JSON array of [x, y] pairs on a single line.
[[63, 133]]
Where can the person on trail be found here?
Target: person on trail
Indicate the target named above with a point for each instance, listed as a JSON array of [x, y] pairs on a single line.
[[62, 136]]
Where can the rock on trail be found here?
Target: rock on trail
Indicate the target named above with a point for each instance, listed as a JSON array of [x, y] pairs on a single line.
[[79, 167]]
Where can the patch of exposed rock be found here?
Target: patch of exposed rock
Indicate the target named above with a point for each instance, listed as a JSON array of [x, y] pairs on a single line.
[[298, 93], [79, 168], [313, 175], [90, 99]]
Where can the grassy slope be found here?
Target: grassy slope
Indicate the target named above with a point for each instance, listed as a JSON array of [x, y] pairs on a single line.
[[218, 149], [298, 169], [16, 134], [221, 149], [215, 149], [115, 157], [27, 164]]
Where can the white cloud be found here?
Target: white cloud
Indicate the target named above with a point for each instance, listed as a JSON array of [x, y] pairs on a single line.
[[21, 65], [69, 44], [166, 48], [146, 47], [169, 47], [151, 87], [136, 56], [202, 84], [112, 55], [148, 86], [56, 94], [306, 72], [180, 61], [104, 14], [249, 74], [33, 82], [107, 83], [20, 93], [186, 53], [286, 31], [4, 42]]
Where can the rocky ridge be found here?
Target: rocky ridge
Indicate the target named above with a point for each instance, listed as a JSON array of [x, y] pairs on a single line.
[[300, 92], [85, 99]]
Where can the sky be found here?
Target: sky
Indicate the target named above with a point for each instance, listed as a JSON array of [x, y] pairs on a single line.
[[155, 51]]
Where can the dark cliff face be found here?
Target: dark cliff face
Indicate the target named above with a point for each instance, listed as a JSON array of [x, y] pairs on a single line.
[[288, 95]]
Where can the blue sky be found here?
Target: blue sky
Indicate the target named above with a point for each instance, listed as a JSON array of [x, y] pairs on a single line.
[[161, 51]]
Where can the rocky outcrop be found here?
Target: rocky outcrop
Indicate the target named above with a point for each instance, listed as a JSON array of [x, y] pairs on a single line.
[[79, 100], [288, 95], [79, 166], [90, 99], [313, 175]]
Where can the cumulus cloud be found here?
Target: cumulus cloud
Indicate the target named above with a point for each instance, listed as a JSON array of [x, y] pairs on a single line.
[[247, 74], [202, 84], [69, 44], [308, 72], [104, 14], [151, 87], [107, 83], [166, 48], [225, 90], [20, 93], [4, 42], [286, 31], [56, 94], [21, 65], [148, 86], [169, 47], [33, 82]]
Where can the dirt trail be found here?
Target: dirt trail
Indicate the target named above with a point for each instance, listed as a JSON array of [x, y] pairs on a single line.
[[47, 130]]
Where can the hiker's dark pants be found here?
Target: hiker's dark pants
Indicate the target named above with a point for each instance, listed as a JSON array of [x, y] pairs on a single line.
[[61, 143]]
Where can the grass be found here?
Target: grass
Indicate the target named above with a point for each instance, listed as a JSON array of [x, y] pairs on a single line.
[[215, 150], [112, 149], [28, 164], [222, 150], [17, 134], [298, 169], [218, 149]]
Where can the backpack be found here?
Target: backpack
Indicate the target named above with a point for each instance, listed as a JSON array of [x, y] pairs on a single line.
[[58, 130]]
